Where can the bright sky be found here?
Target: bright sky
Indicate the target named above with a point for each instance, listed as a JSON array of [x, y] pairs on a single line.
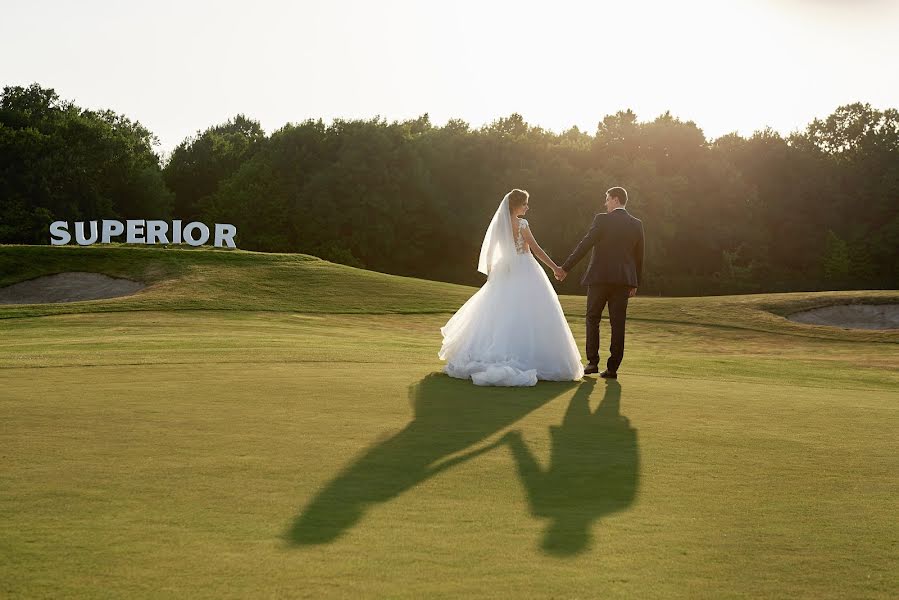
[[730, 65]]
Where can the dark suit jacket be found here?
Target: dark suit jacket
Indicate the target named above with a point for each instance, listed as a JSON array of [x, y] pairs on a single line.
[[616, 240]]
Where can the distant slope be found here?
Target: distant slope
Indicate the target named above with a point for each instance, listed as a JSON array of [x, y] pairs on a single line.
[[206, 279], [235, 280]]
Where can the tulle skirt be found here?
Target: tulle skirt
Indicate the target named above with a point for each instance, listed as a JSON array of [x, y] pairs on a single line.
[[512, 332]]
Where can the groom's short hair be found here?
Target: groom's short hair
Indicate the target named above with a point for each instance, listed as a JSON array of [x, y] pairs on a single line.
[[620, 193]]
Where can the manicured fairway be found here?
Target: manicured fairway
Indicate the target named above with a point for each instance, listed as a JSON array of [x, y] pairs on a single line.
[[247, 427]]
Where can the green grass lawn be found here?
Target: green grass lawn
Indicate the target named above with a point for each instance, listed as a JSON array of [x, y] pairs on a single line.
[[258, 425]]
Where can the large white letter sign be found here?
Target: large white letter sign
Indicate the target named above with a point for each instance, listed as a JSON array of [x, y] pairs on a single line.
[[156, 230], [79, 233], [139, 231], [225, 233], [135, 232], [59, 233], [111, 229], [190, 239]]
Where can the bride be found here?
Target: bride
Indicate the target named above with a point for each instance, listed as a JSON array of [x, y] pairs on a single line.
[[512, 331]]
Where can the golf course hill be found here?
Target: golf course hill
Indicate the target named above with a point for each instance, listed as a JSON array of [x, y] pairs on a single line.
[[206, 279], [232, 424]]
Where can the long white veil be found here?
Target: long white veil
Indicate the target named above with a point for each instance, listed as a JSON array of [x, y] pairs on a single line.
[[498, 243]]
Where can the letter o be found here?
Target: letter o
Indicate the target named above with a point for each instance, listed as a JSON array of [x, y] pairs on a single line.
[[189, 238]]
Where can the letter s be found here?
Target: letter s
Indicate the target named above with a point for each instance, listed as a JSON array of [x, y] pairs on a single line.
[[59, 233]]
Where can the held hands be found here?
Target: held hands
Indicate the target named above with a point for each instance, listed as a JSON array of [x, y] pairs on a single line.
[[560, 273]]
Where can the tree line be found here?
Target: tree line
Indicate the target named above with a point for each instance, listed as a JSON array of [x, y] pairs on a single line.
[[815, 210]]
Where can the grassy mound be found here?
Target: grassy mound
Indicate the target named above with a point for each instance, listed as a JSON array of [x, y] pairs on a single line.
[[208, 279]]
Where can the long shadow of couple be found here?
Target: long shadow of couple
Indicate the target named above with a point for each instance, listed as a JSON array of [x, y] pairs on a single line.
[[593, 469]]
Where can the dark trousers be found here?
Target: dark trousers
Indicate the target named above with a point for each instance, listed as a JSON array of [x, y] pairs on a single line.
[[616, 296]]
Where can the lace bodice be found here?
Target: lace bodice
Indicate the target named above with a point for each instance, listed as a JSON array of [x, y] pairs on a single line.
[[520, 244]]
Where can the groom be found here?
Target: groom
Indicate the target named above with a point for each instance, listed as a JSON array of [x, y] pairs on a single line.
[[616, 264]]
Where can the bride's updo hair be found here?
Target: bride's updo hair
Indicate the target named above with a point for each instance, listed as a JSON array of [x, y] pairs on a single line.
[[518, 197]]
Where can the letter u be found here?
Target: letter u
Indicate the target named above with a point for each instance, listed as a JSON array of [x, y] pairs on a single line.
[[79, 233]]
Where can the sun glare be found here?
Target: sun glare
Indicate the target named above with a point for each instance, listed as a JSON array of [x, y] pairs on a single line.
[[727, 66]]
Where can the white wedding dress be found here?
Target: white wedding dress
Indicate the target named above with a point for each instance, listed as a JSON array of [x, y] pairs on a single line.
[[512, 332]]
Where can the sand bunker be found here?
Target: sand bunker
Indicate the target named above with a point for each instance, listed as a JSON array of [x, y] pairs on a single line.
[[68, 287], [852, 316]]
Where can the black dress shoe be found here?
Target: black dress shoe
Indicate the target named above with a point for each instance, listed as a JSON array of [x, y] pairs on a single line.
[[608, 375], [591, 369]]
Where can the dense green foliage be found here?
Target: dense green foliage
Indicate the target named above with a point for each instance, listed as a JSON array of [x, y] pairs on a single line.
[[60, 162], [201, 162], [814, 210]]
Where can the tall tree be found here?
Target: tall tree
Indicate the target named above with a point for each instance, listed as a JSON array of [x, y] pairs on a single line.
[[58, 161], [812, 210], [200, 163]]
